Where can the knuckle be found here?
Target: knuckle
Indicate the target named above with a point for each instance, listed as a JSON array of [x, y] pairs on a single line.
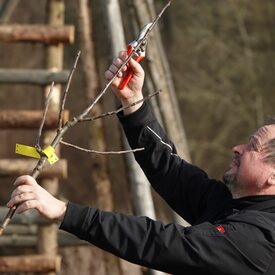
[[28, 204], [113, 67], [26, 177], [118, 61], [30, 179]]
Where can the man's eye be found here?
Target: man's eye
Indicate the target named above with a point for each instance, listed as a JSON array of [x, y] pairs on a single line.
[[256, 146], [253, 146]]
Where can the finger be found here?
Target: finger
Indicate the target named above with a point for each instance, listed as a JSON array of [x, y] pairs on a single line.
[[113, 68], [123, 55], [21, 189], [109, 75], [136, 68], [118, 62], [30, 204], [26, 179], [20, 198]]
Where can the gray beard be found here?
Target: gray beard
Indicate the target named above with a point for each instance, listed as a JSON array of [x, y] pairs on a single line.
[[232, 184], [230, 181]]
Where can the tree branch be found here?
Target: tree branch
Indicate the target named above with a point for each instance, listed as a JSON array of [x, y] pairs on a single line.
[[66, 92], [120, 109], [37, 145], [101, 152]]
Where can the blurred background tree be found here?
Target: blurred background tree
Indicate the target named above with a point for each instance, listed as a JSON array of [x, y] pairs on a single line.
[[221, 56]]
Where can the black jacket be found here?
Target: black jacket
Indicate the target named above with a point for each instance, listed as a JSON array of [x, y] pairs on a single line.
[[226, 237]]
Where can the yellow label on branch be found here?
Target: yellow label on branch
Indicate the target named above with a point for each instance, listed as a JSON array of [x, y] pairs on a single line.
[[50, 153], [30, 151], [27, 151]]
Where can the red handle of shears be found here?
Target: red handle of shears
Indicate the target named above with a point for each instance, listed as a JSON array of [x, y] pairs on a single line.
[[129, 72]]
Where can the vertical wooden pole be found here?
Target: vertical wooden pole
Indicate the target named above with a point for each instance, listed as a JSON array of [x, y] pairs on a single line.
[[99, 173], [141, 193], [47, 234]]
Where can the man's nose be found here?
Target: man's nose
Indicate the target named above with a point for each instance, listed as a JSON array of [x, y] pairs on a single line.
[[239, 149]]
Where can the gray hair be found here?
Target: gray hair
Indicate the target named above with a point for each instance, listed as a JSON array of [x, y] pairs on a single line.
[[269, 149]]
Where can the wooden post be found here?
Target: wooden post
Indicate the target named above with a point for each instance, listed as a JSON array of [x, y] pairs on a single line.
[[30, 263], [31, 76], [18, 167], [19, 235], [140, 188], [28, 119], [37, 33], [48, 234], [29, 217], [99, 174]]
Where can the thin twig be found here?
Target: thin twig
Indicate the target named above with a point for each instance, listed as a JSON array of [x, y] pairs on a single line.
[[66, 92], [101, 152], [119, 109], [37, 144]]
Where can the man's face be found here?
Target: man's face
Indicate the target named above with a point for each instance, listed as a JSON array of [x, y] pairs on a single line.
[[248, 172]]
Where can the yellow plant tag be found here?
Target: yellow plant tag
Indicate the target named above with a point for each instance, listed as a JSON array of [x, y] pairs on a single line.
[[27, 151], [30, 151], [50, 153]]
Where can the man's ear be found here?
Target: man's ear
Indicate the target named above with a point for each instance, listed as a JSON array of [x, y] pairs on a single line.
[[271, 179]]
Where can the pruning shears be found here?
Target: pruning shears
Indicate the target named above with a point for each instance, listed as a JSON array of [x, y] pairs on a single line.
[[138, 54]]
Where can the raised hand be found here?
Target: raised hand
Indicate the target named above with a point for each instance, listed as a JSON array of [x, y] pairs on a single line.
[[133, 91]]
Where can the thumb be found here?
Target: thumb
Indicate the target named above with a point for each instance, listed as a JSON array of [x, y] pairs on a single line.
[[136, 68]]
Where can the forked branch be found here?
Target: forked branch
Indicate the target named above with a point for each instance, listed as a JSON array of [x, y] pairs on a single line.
[[62, 129]]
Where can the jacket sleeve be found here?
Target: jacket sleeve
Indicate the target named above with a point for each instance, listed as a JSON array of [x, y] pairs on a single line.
[[185, 187], [171, 248]]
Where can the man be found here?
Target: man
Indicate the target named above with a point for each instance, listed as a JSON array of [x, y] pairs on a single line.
[[233, 222]]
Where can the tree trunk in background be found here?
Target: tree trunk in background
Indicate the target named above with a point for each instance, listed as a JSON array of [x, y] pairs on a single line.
[[160, 74], [6, 10], [116, 165], [99, 175], [161, 77], [121, 190], [141, 192]]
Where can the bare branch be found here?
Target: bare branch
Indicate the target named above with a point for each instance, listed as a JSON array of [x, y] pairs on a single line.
[[44, 116], [66, 92], [101, 152], [120, 109]]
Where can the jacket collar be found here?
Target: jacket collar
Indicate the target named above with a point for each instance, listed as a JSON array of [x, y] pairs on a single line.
[[260, 202]]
